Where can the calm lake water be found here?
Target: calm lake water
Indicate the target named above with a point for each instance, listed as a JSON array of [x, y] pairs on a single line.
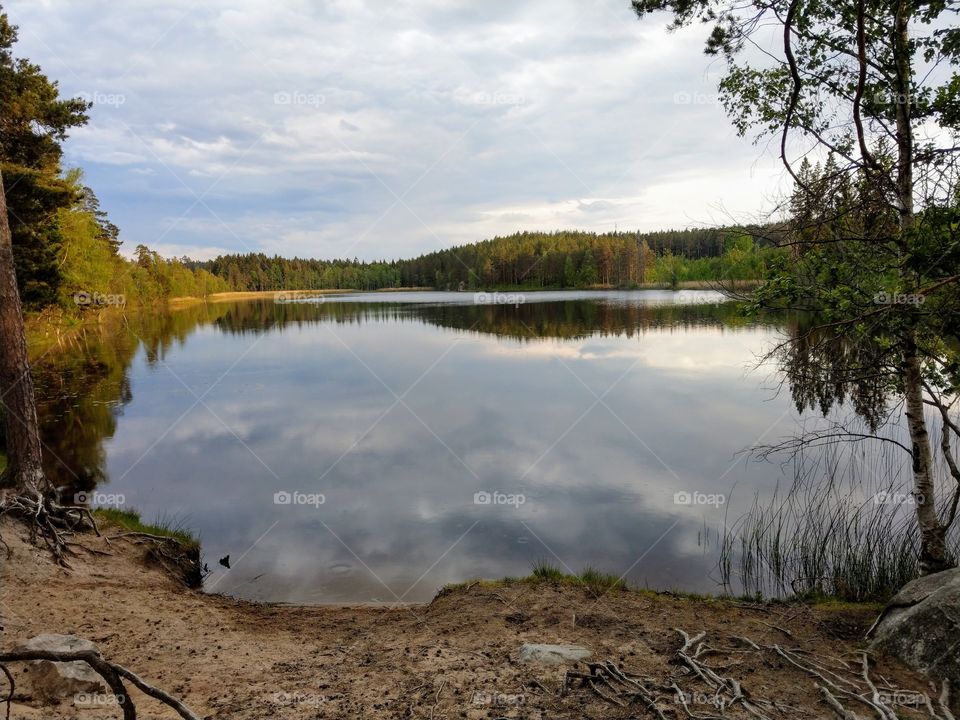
[[371, 448]]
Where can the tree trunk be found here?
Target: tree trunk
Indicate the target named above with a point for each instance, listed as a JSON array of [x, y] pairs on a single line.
[[24, 463], [933, 547]]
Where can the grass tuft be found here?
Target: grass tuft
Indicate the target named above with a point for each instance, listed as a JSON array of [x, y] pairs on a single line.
[[543, 570], [834, 536], [130, 521]]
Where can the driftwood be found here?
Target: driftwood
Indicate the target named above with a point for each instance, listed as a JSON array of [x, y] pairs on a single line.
[[112, 674]]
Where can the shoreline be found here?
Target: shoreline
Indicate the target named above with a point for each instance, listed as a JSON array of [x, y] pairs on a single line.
[[56, 326], [234, 295], [247, 660]]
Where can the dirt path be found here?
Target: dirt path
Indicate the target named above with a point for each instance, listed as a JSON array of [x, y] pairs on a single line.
[[454, 658]]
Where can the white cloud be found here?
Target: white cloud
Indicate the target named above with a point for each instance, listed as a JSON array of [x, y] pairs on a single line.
[[304, 125]]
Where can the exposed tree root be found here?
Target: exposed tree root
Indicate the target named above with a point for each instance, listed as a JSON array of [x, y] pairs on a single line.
[[112, 674], [50, 521], [840, 681]]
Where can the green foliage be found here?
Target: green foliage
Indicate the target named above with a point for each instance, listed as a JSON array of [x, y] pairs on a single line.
[[34, 198], [528, 260], [90, 264], [34, 120]]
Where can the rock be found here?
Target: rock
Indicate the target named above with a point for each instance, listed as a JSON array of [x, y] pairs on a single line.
[[54, 681], [553, 654], [921, 626]]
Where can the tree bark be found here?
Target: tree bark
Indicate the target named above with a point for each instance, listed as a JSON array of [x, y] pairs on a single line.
[[24, 461], [933, 547]]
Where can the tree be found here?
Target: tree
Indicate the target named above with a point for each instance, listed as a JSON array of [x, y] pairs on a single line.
[[843, 81], [569, 273], [24, 470], [33, 122]]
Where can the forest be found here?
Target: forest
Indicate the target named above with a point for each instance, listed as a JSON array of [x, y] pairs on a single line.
[[527, 260]]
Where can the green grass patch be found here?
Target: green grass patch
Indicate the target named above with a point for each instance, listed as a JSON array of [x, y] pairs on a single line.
[[600, 581], [542, 570], [130, 521], [596, 581]]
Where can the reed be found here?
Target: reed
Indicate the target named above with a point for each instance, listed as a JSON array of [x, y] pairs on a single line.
[[845, 529]]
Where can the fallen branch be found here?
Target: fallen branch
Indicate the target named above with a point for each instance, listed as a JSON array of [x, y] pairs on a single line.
[[12, 686], [112, 674]]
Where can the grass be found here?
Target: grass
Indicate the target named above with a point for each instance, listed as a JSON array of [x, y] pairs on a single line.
[[130, 521], [592, 579], [599, 583], [595, 581], [829, 539]]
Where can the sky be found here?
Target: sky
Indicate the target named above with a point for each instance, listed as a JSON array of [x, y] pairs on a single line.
[[381, 130]]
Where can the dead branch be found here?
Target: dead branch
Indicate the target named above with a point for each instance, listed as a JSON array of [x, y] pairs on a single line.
[[110, 672], [12, 686]]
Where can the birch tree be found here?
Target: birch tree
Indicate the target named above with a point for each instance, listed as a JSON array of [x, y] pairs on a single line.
[[871, 85]]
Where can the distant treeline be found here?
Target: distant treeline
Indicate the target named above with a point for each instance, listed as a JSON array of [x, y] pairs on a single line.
[[565, 259]]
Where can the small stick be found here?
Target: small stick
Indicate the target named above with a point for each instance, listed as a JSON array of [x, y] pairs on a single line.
[[437, 700]]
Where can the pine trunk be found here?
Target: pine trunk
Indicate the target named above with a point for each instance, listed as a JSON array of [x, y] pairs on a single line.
[[24, 463]]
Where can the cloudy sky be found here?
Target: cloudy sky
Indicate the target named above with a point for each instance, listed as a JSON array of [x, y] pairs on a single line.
[[387, 129]]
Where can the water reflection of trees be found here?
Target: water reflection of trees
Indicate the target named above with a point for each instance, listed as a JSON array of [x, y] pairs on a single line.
[[570, 319], [825, 370], [83, 386]]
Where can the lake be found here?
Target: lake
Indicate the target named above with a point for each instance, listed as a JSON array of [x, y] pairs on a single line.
[[374, 447]]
